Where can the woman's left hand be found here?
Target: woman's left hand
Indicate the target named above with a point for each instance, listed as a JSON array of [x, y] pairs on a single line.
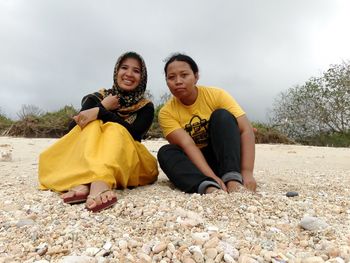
[[86, 116], [249, 180]]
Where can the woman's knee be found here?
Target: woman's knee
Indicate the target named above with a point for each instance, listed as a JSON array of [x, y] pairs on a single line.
[[222, 116]]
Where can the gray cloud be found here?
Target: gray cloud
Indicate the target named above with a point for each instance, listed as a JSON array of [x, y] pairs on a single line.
[[54, 52]]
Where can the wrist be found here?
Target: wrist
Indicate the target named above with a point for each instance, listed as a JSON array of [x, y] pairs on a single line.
[[103, 105], [247, 173]]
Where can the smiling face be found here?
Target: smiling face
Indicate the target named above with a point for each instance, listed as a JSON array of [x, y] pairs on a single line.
[[129, 74], [181, 81]]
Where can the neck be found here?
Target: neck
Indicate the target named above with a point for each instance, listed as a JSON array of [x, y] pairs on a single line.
[[190, 99]]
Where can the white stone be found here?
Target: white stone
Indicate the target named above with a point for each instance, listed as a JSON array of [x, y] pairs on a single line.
[[312, 223], [312, 260], [77, 259], [107, 246], [200, 237], [335, 260], [211, 252], [122, 244], [228, 258], [171, 247], [193, 249], [159, 247]]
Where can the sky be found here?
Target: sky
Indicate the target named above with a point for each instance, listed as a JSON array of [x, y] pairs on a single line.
[[52, 53]]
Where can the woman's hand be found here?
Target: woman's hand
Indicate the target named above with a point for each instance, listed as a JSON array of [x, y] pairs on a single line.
[[110, 102], [86, 116], [249, 180], [221, 183]]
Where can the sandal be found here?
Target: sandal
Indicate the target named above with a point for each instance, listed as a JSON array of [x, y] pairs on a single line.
[[101, 206], [76, 198]]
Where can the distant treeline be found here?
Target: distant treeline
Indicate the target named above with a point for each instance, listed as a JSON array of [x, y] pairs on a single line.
[[33, 123]]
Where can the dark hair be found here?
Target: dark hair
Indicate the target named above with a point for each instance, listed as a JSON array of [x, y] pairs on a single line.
[[183, 58]]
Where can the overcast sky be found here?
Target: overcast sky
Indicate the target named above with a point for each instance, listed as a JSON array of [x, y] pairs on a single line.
[[52, 53]]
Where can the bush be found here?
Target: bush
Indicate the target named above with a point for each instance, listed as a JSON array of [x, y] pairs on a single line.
[[5, 123], [266, 134], [331, 139], [48, 125]]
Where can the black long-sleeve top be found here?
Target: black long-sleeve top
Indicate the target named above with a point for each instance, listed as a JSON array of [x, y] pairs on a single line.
[[137, 129]]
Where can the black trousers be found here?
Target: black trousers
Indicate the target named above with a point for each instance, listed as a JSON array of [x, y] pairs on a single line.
[[223, 154]]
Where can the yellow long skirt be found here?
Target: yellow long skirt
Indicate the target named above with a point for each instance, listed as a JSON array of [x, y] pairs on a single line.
[[99, 152]]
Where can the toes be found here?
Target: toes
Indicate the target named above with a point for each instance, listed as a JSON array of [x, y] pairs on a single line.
[[104, 198], [67, 195], [108, 196], [90, 203]]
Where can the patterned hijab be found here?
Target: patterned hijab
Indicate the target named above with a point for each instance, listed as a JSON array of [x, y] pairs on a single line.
[[130, 101]]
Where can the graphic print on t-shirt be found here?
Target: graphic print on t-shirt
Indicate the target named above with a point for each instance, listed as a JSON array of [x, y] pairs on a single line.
[[198, 130]]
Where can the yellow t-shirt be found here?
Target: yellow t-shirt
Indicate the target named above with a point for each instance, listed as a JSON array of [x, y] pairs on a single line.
[[195, 118]]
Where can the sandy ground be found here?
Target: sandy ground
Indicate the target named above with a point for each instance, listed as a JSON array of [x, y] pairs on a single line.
[[158, 223]]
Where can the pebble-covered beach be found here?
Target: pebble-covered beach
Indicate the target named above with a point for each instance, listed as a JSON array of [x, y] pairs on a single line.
[[158, 223]]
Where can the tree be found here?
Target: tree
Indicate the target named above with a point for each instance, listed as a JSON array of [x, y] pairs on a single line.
[[321, 105]]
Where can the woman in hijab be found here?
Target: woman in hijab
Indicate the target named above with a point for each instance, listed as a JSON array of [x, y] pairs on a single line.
[[103, 150]]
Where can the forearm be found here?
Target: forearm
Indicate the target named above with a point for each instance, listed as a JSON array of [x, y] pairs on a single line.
[[247, 152]]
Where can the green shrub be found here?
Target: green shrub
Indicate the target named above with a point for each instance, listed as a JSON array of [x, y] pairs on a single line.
[[5, 123], [329, 139], [48, 125], [267, 134]]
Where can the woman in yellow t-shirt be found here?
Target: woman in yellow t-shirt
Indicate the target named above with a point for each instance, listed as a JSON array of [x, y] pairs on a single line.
[[212, 143], [103, 150]]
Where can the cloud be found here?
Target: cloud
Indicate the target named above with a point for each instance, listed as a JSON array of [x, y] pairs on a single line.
[[55, 52]]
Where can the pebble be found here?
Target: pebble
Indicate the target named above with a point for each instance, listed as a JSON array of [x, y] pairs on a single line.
[[211, 252], [123, 244], [107, 246], [312, 260], [246, 259], [201, 237], [157, 223], [336, 260], [198, 256], [188, 260], [159, 247], [77, 259], [228, 258], [25, 222], [292, 194], [212, 243], [5, 156], [312, 223], [144, 257], [42, 249]]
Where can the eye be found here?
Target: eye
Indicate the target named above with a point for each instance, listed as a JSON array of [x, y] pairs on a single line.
[[124, 67], [184, 75], [171, 77], [137, 71]]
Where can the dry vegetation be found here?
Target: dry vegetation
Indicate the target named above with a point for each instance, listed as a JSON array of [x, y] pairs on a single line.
[[35, 124]]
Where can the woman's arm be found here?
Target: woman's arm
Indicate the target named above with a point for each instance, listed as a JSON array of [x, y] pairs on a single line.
[[91, 110], [247, 152], [186, 143], [139, 127]]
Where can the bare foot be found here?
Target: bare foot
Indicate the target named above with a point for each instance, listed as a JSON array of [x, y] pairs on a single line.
[[211, 189], [233, 186], [79, 190], [100, 193]]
